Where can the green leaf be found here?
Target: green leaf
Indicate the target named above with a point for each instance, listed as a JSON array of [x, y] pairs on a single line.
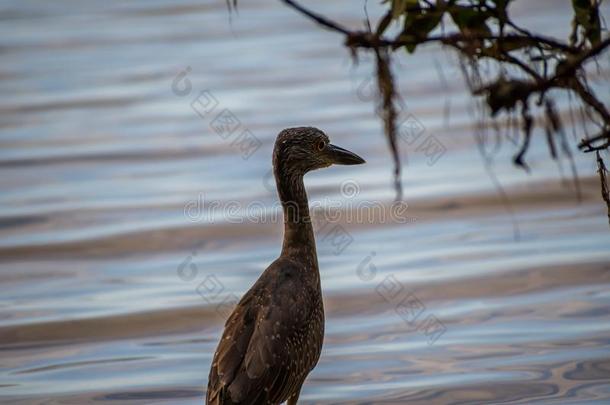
[[501, 6], [586, 15], [413, 41], [470, 20], [400, 7], [511, 44], [418, 25], [383, 24]]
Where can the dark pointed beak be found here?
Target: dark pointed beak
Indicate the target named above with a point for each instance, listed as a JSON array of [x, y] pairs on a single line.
[[342, 156]]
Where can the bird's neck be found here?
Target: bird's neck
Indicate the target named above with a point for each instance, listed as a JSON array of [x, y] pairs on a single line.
[[299, 239]]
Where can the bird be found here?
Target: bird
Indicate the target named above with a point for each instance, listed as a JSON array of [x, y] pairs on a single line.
[[273, 338]]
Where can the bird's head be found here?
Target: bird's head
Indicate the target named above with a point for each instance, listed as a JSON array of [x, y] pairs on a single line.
[[303, 149]]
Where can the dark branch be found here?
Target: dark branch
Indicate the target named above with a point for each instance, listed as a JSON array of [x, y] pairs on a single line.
[[562, 64], [320, 19]]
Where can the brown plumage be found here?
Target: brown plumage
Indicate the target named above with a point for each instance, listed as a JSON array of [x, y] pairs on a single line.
[[273, 338]]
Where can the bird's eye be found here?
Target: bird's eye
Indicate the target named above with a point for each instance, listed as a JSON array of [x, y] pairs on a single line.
[[320, 145]]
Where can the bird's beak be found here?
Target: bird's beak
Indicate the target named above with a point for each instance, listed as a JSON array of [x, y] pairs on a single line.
[[342, 156]]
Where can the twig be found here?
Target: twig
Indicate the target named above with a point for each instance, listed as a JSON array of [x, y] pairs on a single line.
[[502, 94], [601, 169], [320, 19], [385, 84]]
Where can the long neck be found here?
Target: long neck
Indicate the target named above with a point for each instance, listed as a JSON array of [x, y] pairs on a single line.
[[299, 239]]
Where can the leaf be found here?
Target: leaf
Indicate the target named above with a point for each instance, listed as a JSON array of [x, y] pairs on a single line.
[[501, 6], [418, 25], [400, 7], [411, 42], [514, 43], [586, 15], [501, 13], [383, 24], [470, 20]]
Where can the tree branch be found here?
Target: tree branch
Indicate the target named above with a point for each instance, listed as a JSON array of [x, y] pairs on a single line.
[[320, 19]]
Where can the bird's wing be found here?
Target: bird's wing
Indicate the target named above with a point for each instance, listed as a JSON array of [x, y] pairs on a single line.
[[251, 363], [231, 350]]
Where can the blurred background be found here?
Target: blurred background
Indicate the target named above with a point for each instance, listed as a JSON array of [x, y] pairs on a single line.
[[122, 121]]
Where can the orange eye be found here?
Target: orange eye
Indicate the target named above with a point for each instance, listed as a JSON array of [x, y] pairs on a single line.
[[320, 145]]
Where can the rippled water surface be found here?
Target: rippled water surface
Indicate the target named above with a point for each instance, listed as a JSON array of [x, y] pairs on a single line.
[[115, 278]]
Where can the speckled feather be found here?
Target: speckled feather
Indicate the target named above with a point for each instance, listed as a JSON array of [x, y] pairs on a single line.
[[274, 336], [272, 340]]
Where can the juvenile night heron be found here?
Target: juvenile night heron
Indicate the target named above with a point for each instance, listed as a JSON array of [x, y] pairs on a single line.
[[273, 338]]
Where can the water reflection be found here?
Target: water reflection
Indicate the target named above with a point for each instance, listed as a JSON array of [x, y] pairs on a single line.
[[99, 157]]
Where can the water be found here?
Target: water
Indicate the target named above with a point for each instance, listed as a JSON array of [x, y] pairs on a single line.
[[104, 168]]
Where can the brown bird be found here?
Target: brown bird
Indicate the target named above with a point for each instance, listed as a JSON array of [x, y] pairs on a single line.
[[273, 338]]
